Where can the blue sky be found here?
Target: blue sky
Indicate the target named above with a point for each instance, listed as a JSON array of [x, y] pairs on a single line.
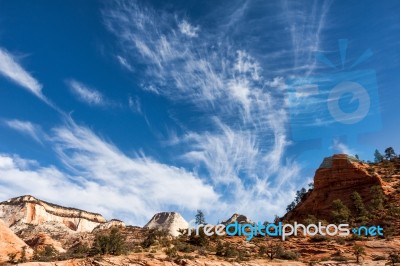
[[128, 108]]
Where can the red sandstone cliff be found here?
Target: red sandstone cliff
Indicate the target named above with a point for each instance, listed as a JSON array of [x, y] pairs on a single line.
[[337, 178]]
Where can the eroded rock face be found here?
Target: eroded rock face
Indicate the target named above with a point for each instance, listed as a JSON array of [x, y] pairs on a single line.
[[170, 221], [241, 219], [10, 243], [111, 224], [29, 210], [337, 178]]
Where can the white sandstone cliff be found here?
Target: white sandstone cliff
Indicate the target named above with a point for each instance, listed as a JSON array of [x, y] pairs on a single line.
[[31, 211], [169, 221]]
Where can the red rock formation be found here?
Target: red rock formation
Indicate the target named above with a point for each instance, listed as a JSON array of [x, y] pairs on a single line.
[[11, 244], [337, 178]]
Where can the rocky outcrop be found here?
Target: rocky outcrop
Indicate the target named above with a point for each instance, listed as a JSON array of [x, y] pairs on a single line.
[[111, 224], [11, 244], [169, 221], [337, 178], [31, 211], [241, 219]]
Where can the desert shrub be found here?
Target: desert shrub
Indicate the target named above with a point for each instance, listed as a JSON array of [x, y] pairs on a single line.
[[338, 258], [340, 240], [200, 240], [230, 252], [394, 210], [184, 247], [202, 252], [113, 243], [171, 252], [355, 237], [242, 256], [311, 219], [273, 249], [319, 238], [78, 251], [378, 257], [219, 250], [49, 253], [288, 255], [156, 236], [225, 250]]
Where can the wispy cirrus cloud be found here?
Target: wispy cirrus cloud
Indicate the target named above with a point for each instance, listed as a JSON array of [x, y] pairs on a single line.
[[12, 69], [25, 127], [87, 94], [306, 23], [123, 62], [243, 153], [187, 29], [102, 178]]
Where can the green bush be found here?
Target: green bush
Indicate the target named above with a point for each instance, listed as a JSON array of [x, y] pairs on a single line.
[[112, 244], [340, 213], [49, 253], [288, 255], [378, 198], [171, 252], [319, 238]]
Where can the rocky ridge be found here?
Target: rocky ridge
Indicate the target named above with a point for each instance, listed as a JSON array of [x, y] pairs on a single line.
[[27, 210], [239, 218]]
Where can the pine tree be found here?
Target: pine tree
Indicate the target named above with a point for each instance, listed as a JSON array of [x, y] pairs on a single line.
[[340, 212], [389, 153], [378, 156], [358, 205], [200, 218]]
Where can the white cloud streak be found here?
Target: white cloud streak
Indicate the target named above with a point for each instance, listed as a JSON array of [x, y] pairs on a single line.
[[244, 154], [11, 69], [187, 29], [25, 127], [86, 94], [104, 179]]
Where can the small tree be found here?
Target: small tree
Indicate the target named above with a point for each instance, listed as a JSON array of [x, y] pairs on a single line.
[[389, 153], [358, 251], [340, 213], [378, 198], [200, 218], [291, 206], [49, 253], [113, 244], [358, 205], [277, 219], [378, 156], [300, 195], [272, 249]]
